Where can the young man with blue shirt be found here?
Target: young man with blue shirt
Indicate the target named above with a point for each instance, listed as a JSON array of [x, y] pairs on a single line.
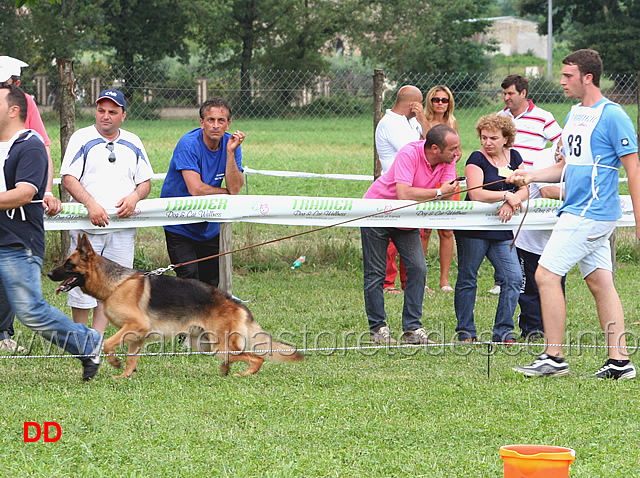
[[199, 164], [597, 139]]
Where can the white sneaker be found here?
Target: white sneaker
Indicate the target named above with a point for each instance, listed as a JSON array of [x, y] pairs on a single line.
[[10, 345], [495, 290]]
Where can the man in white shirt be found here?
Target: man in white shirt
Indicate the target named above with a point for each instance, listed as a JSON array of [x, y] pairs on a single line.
[[106, 169], [400, 125]]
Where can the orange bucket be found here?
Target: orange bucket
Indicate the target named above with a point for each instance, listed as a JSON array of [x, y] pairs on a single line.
[[536, 461]]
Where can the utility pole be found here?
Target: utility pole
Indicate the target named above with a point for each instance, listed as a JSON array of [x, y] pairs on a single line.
[[550, 41]]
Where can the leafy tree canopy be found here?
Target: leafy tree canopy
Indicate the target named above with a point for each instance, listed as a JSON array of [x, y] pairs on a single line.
[[15, 30], [608, 26], [421, 35], [146, 31]]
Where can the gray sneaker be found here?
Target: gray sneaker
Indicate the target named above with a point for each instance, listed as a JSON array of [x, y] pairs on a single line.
[[383, 336], [544, 366], [418, 336], [10, 345]]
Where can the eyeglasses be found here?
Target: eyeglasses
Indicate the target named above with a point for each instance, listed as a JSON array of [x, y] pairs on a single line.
[[112, 154], [444, 101]]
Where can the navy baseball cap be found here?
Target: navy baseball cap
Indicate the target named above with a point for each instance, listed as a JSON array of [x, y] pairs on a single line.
[[114, 95]]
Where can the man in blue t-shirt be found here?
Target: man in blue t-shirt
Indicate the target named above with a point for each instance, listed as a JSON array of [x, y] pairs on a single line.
[[597, 139], [198, 167], [23, 181]]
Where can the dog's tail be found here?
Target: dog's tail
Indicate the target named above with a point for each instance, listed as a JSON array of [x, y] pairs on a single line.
[[262, 343]]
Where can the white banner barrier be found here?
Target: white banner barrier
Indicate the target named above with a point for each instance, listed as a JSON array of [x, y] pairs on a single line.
[[320, 211]]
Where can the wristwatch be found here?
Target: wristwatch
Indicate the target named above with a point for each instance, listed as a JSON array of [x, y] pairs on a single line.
[[438, 193]]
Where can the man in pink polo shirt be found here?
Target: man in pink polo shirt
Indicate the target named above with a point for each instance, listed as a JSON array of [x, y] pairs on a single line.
[[414, 175]]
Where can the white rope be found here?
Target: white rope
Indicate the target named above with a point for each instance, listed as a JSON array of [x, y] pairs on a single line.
[[298, 174], [294, 174], [326, 349]]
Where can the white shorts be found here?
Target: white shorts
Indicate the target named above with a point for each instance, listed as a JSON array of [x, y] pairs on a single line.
[[578, 240], [119, 246]]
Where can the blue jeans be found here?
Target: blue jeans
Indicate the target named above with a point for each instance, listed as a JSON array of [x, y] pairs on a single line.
[[471, 252], [21, 295], [375, 241]]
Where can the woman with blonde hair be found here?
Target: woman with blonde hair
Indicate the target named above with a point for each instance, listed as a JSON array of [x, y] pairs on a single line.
[[488, 166], [439, 110], [439, 107]]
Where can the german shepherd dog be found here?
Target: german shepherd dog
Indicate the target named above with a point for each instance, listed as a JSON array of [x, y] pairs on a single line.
[[157, 306]]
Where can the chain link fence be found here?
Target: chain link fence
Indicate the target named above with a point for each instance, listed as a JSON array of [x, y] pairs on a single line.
[[327, 114]]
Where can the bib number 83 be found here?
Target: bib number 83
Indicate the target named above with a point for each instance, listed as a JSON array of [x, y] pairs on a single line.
[[575, 145]]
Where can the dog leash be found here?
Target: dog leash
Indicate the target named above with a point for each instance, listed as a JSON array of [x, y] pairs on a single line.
[[171, 267]]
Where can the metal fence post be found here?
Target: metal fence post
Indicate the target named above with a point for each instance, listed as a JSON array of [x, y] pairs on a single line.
[[226, 264], [41, 88], [95, 88], [378, 91], [202, 88]]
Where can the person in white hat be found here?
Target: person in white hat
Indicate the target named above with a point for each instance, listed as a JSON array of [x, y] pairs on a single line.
[[10, 70]]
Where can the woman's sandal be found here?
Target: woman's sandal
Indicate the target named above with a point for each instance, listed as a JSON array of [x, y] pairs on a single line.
[[392, 290]]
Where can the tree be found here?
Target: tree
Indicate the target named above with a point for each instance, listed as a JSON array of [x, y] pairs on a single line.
[[16, 38], [231, 31], [143, 31], [608, 26], [298, 41], [63, 28], [421, 35]]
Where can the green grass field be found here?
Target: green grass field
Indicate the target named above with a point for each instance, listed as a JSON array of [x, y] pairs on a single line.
[[400, 412]]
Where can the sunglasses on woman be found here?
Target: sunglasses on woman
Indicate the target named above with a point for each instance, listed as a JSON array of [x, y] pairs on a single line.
[[444, 101]]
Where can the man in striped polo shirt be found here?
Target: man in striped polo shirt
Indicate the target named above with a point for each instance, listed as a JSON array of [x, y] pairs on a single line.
[[535, 126], [535, 129]]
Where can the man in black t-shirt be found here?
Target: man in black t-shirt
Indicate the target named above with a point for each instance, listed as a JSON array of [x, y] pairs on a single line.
[[23, 178]]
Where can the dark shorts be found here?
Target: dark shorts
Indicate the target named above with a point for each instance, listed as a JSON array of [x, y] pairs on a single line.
[[184, 249]]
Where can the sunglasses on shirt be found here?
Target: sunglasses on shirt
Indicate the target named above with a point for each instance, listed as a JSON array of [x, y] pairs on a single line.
[[444, 101], [112, 154]]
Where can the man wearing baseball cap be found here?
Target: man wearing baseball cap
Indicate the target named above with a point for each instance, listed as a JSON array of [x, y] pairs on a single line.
[[107, 169], [114, 95], [10, 70]]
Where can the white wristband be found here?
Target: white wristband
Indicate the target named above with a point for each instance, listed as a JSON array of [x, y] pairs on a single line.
[[48, 193]]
